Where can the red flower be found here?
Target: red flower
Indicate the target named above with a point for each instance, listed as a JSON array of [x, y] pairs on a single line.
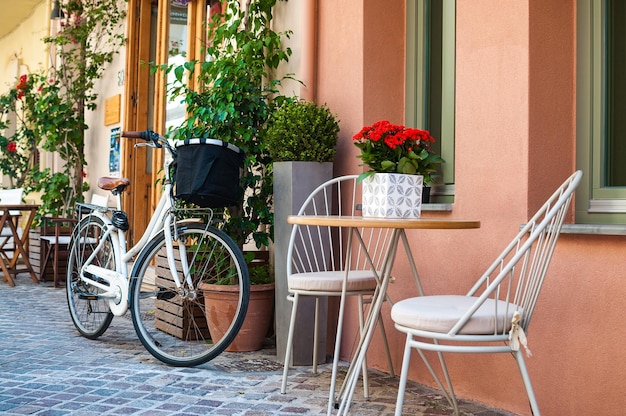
[[387, 147], [23, 81], [84, 174], [12, 147], [21, 86]]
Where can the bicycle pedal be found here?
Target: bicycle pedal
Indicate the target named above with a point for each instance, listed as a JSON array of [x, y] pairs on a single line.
[[163, 295], [88, 296]]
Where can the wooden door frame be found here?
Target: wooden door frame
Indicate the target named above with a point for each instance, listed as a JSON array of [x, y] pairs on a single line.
[[137, 90], [136, 117]]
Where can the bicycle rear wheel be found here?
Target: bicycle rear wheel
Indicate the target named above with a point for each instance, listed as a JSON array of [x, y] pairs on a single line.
[[91, 315], [172, 323]]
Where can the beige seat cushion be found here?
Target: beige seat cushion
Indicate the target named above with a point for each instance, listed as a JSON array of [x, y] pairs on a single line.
[[358, 280], [440, 313]]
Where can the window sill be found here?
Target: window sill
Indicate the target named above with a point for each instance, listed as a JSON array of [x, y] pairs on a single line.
[[594, 229], [589, 229], [437, 207]]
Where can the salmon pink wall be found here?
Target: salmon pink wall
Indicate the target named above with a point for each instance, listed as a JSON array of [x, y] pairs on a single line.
[[340, 78], [355, 39], [515, 142], [552, 43]]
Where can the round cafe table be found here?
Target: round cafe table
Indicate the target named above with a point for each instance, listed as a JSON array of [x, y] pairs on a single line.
[[398, 227]]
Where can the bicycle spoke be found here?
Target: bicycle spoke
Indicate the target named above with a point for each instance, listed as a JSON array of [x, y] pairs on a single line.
[[173, 324], [91, 314]]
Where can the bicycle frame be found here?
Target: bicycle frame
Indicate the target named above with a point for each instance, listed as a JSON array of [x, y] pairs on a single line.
[[118, 281]]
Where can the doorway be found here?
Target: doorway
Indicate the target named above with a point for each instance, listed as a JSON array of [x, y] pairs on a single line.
[[159, 31]]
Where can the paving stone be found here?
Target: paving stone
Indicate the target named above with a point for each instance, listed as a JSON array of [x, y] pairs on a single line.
[[47, 368]]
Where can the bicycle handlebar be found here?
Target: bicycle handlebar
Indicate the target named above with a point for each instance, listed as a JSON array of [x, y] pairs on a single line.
[[152, 137]]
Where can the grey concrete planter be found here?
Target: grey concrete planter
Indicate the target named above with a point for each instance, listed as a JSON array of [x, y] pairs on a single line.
[[293, 182]]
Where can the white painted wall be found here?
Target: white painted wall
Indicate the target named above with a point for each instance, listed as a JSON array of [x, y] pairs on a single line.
[[22, 50]]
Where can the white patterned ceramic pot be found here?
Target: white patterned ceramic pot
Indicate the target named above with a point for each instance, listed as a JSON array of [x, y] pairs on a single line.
[[392, 195]]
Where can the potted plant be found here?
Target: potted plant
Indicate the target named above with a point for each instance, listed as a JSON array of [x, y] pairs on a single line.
[[300, 130], [221, 299], [237, 91], [220, 302], [302, 137], [400, 161]]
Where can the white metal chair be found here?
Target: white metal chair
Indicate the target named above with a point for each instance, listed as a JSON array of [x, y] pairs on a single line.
[[316, 263], [494, 315]]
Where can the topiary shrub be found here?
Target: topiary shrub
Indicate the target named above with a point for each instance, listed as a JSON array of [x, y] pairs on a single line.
[[302, 131]]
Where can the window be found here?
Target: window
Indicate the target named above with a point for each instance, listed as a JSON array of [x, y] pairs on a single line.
[[601, 103], [431, 80]]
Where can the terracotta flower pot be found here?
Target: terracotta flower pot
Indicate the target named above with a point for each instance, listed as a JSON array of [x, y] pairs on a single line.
[[220, 300]]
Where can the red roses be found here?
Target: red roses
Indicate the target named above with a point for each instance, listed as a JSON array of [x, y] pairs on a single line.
[[21, 86]]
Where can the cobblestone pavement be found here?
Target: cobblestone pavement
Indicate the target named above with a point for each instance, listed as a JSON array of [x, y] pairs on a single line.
[[46, 368]]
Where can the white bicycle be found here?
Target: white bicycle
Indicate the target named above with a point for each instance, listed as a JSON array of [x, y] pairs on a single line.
[[157, 279]]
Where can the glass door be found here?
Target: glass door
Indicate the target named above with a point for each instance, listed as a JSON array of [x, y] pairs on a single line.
[[160, 31]]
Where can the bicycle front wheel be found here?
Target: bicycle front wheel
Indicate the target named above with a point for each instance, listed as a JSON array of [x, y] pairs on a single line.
[[174, 324], [90, 313]]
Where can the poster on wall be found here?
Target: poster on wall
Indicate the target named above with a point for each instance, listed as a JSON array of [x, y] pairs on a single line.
[[114, 153]]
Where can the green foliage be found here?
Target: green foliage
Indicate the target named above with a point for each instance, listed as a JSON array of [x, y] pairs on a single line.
[[236, 97], [88, 40], [54, 195], [261, 275], [302, 131], [391, 148], [259, 269], [18, 145]]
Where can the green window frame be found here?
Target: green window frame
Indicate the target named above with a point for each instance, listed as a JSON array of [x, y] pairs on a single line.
[[430, 81], [600, 106]]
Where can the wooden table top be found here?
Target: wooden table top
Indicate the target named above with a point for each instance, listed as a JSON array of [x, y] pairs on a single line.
[[373, 222]]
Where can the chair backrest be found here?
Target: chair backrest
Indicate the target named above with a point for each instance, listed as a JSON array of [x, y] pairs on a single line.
[[11, 197], [516, 276], [321, 248]]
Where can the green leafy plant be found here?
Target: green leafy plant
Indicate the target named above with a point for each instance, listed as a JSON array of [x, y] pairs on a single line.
[[237, 94], [302, 131], [18, 142], [260, 275], [259, 268], [391, 148], [260, 272], [89, 38]]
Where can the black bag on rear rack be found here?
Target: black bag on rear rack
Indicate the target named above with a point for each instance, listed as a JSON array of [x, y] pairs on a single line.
[[207, 172]]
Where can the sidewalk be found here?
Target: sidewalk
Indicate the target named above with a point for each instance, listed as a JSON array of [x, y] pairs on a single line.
[[46, 368]]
